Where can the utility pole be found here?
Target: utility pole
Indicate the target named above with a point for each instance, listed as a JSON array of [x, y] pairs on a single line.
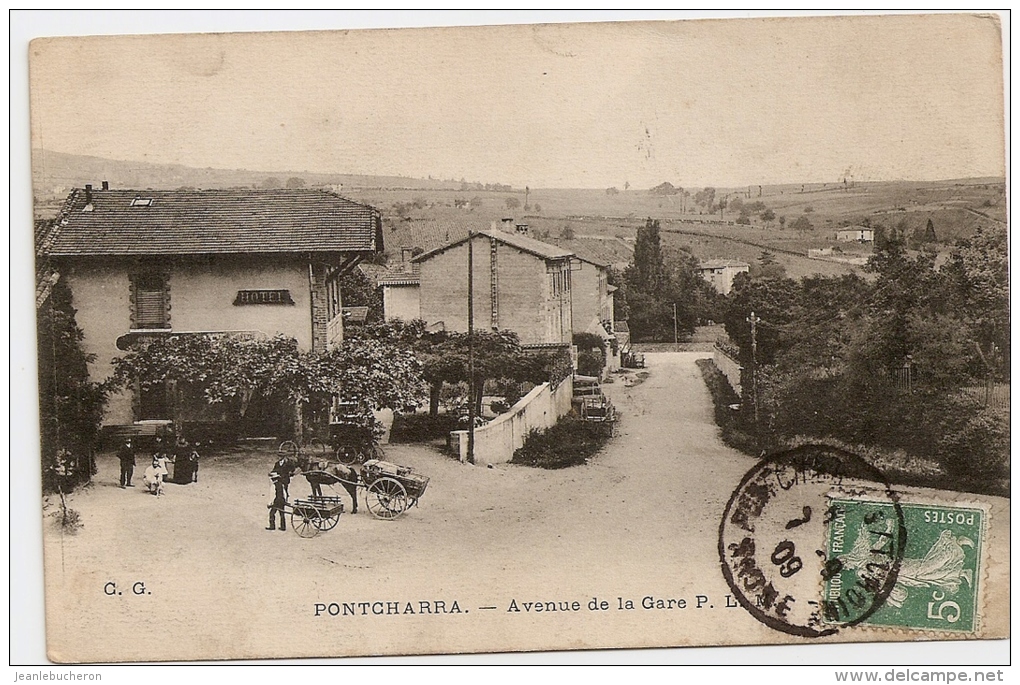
[[754, 321], [676, 337], [471, 348]]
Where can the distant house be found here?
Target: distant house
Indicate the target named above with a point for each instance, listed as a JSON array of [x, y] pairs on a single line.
[[721, 272], [850, 234], [401, 296], [520, 284], [148, 263]]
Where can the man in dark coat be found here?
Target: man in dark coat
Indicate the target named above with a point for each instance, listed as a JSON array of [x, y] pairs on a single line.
[[126, 455], [281, 474]]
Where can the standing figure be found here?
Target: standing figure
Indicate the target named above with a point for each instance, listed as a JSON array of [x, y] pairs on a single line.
[[185, 463], [126, 454], [281, 474]]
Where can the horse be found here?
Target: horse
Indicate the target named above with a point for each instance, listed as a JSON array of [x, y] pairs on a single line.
[[319, 472]]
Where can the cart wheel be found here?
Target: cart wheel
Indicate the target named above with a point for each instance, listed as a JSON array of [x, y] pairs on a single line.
[[326, 522], [317, 446], [386, 498], [348, 456], [304, 523], [288, 448]]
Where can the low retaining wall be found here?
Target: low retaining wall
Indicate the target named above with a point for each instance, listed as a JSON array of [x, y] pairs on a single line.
[[496, 441], [730, 368]]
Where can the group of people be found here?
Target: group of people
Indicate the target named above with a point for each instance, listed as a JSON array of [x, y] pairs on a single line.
[[182, 456]]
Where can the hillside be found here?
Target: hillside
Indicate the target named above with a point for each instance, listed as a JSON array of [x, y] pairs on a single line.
[[598, 223], [55, 173]]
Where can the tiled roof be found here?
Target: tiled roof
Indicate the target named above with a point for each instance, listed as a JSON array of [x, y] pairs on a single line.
[[121, 222], [521, 242], [355, 314], [400, 279]]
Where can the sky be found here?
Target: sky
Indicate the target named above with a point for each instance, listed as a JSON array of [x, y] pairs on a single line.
[[714, 102]]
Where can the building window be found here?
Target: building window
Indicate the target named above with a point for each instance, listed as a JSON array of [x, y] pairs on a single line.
[[150, 299]]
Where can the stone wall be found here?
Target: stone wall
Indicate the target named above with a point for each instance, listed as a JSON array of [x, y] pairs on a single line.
[[496, 441]]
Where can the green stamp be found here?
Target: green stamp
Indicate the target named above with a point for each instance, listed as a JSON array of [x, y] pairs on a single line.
[[936, 586]]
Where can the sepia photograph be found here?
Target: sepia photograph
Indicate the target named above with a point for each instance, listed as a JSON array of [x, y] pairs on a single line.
[[531, 333]]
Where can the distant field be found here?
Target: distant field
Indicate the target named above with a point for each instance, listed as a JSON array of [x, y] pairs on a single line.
[[599, 223]]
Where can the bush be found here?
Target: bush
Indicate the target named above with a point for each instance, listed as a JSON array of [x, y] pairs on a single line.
[[589, 341], [570, 442], [590, 363], [422, 427], [736, 431]]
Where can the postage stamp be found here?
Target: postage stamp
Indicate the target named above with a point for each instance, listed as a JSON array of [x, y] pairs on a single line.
[[937, 583], [773, 535]]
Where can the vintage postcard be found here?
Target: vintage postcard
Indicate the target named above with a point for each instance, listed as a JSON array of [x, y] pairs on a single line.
[[520, 338]]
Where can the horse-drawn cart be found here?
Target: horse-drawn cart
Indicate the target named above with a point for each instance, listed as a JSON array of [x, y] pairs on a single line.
[[390, 489], [318, 513]]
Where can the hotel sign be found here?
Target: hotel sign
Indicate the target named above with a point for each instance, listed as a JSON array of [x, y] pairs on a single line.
[[263, 297]]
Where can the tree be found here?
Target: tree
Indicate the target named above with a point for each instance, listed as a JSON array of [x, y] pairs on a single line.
[[782, 222], [665, 188], [271, 183], [768, 267], [652, 288], [567, 233], [232, 371], [802, 224], [71, 405], [294, 182], [705, 198], [512, 203], [647, 273], [768, 216], [358, 290], [612, 191]]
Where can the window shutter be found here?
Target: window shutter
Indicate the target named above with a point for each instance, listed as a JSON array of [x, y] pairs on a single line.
[[151, 302]]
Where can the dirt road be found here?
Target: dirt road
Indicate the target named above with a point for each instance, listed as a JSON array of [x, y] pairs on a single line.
[[640, 521]]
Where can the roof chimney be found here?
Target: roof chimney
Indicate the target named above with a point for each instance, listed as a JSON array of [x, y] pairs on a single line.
[[106, 185], [508, 225], [88, 198], [522, 229]]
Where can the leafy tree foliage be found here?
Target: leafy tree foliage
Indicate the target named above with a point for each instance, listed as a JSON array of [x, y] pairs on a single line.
[[71, 405], [653, 288], [232, 370], [705, 198], [444, 356], [358, 290], [801, 223], [892, 360]]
